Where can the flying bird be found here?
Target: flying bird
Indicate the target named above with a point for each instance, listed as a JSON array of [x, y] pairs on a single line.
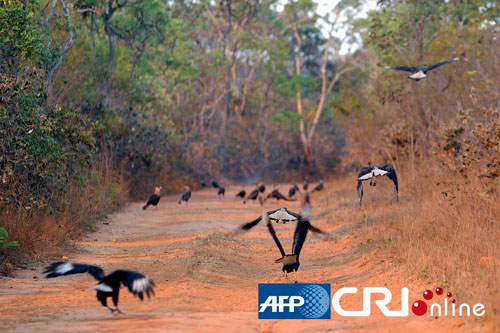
[[241, 194], [294, 189], [291, 261], [109, 285], [277, 195], [319, 187], [282, 215], [419, 73], [306, 184], [371, 173], [186, 195], [215, 184], [154, 198], [221, 191]]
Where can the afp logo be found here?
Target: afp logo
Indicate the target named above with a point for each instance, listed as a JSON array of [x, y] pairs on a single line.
[[294, 301]]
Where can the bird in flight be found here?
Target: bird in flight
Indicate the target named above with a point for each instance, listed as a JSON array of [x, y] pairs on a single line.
[[419, 73], [109, 285], [290, 261], [186, 195], [371, 173], [154, 198], [282, 215]]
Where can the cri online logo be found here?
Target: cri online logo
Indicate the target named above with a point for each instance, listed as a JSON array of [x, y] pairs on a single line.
[[418, 307]]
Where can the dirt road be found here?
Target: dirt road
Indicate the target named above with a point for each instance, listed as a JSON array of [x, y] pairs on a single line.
[[206, 275]]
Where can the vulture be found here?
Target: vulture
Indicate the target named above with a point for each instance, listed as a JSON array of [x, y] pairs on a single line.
[[202, 182], [371, 172], [419, 73], [221, 191], [319, 187], [215, 184], [277, 195], [241, 194], [154, 198], [294, 189], [262, 188], [186, 195], [306, 184], [108, 285]]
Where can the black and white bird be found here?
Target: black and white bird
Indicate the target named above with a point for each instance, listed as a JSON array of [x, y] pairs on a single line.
[[275, 194], [306, 183], [241, 194], [221, 191], [109, 285], [186, 195], [282, 215], [419, 73], [294, 189], [291, 261], [371, 173], [319, 187], [215, 184], [154, 198]]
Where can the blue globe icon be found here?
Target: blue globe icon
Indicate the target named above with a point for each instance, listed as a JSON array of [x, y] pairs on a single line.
[[316, 301]]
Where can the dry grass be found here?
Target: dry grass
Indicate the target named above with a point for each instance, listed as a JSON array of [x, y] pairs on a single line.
[[438, 240], [43, 230]]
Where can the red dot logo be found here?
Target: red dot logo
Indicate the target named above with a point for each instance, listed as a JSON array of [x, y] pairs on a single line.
[[428, 294], [453, 301], [419, 308], [439, 290], [449, 294]]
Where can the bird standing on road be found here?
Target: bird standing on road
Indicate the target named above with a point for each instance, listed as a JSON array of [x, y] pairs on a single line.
[[215, 184], [254, 194], [221, 191], [306, 184], [371, 172], [154, 198], [294, 189], [419, 73], [186, 195], [319, 187], [241, 193], [109, 285], [278, 196]]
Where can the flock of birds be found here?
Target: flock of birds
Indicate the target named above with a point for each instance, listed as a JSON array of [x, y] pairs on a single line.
[[108, 286]]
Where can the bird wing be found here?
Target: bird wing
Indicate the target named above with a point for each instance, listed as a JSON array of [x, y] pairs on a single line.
[[67, 268], [276, 240], [250, 225], [137, 283], [365, 173], [403, 68], [360, 190], [391, 174], [283, 214], [439, 64], [299, 236]]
